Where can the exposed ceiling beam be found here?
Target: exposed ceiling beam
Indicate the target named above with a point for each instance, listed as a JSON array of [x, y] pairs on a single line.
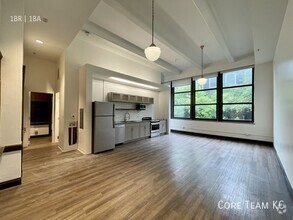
[[162, 34], [207, 15], [113, 38]]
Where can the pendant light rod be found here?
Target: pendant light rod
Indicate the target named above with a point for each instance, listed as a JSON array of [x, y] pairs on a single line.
[[153, 19], [201, 81], [153, 52], [201, 47]]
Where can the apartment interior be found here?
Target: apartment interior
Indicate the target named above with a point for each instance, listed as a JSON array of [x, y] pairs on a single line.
[[181, 149]]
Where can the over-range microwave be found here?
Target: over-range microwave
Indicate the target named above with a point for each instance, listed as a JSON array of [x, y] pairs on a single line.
[[141, 106]]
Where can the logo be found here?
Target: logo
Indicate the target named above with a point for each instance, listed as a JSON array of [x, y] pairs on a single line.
[[280, 207]]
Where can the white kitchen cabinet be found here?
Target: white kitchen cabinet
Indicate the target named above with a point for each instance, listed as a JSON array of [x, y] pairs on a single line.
[[131, 131], [163, 126], [128, 98], [144, 129]]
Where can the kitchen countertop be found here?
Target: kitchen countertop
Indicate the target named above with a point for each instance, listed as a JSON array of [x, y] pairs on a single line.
[[134, 121], [128, 122]]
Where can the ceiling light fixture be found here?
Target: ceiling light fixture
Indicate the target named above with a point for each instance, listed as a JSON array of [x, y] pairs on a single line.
[[131, 82], [39, 42], [201, 81], [152, 52]]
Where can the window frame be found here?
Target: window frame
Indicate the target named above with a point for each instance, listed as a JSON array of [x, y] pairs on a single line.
[[219, 104], [238, 103], [173, 102], [194, 100]]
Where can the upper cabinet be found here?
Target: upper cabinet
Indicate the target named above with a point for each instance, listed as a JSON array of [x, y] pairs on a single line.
[[119, 97]]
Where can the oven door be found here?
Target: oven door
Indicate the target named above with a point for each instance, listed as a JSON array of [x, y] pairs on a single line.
[[155, 129]]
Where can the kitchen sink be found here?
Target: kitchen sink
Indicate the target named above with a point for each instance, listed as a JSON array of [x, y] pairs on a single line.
[[127, 122], [132, 121]]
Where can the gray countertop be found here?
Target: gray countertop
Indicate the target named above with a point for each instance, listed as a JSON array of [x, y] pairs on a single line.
[[133, 121], [128, 122]]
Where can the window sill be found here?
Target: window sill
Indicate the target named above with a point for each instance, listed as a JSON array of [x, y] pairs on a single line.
[[216, 121]]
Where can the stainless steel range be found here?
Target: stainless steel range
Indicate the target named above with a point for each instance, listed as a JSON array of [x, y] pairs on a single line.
[[155, 126]]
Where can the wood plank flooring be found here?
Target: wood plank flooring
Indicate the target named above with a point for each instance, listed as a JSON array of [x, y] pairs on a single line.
[[169, 177]]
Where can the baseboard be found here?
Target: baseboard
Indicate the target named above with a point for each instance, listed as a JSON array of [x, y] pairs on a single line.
[[289, 186], [41, 135], [10, 183], [81, 151], [11, 148], [223, 137]]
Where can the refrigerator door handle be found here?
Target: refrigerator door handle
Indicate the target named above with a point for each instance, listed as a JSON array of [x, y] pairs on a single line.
[[113, 116]]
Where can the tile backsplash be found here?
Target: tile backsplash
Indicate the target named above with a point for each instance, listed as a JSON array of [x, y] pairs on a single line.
[[134, 114]]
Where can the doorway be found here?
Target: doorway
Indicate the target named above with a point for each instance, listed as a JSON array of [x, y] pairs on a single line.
[[40, 118]]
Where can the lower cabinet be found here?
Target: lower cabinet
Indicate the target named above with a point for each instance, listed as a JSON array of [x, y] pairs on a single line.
[[144, 129], [137, 130], [131, 131], [163, 126]]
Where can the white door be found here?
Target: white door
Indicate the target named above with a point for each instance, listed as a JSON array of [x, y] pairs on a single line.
[[56, 133]]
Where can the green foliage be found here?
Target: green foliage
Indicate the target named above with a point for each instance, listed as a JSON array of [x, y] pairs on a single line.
[[237, 95], [182, 98], [206, 97], [237, 112], [206, 111], [182, 111], [186, 88]]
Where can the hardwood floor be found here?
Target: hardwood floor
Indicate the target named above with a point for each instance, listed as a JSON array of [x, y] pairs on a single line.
[[40, 141], [169, 177]]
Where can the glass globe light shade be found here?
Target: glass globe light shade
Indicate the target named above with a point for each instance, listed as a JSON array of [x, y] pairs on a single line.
[[152, 52], [201, 81]]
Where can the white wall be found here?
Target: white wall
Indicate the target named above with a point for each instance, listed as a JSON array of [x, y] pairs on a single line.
[[283, 95], [81, 51], [41, 76], [11, 44], [60, 87], [262, 129]]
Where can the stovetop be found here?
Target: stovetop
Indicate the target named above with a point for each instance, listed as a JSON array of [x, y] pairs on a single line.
[[146, 119], [150, 119]]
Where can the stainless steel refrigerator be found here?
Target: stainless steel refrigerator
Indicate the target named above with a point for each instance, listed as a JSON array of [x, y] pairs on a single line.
[[103, 133]]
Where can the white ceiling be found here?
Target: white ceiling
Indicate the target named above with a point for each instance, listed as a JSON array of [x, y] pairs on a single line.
[[230, 29], [65, 19]]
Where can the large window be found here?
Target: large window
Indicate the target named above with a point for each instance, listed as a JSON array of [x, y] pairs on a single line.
[[181, 93], [227, 96], [237, 95], [205, 99]]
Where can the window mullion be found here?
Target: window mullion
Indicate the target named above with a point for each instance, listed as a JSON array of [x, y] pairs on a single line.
[[192, 101], [220, 97]]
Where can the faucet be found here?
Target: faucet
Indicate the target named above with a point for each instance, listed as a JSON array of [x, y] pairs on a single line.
[[126, 116]]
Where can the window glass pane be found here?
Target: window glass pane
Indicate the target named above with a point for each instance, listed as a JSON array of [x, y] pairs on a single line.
[[237, 78], [182, 111], [206, 97], [237, 95], [210, 84], [186, 88], [182, 98], [237, 112], [206, 111]]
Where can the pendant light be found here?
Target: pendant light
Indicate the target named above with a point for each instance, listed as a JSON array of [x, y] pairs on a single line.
[[201, 81], [152, 52]]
